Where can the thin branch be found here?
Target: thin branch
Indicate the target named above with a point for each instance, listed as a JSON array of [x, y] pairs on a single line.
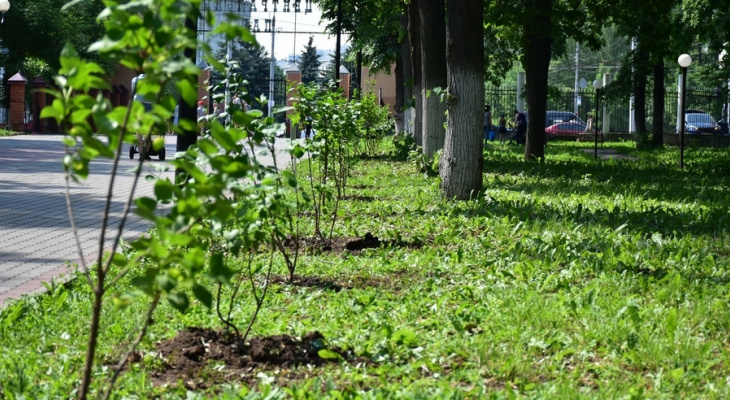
[[260, 302], [142, 332]]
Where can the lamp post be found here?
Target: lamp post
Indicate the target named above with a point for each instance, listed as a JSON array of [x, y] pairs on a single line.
[[4, 7], [597, 85], [684, 61]]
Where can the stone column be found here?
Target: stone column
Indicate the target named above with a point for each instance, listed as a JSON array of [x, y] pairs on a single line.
[[16, 117]]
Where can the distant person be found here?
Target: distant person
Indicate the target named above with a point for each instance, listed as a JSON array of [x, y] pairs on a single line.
[[589, 123], [201, 117], [502, 128], [520, 128], [487, 121]]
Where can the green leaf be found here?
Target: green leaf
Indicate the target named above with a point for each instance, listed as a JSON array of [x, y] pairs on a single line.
[[179, 301], [329, 355], [202, 294], [164, 189], [219, 272], [144, 283], [188, 91]]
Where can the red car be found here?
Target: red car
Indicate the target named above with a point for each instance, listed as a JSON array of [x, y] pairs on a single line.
[[566, 128]]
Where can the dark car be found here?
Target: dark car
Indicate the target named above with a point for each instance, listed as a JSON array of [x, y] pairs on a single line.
[[566, 128], [696, 121]]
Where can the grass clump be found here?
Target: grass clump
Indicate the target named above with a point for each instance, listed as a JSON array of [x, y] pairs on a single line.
[[568, 279]]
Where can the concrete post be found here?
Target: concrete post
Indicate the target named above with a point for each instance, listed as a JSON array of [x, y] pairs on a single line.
[[606, 112], [679, 103], [16, 118], [520, 88]]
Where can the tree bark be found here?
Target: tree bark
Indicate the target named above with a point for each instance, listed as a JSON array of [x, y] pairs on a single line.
[[398, 107], [657, 139], [462, 160], [640, 92], [537, 62], [407, 73], [433, 70], [414, 38]]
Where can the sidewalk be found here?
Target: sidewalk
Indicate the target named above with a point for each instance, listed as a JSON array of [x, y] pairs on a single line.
[[36, 242]]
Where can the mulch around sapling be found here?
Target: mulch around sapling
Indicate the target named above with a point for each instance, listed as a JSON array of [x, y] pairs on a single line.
[[201, 358]]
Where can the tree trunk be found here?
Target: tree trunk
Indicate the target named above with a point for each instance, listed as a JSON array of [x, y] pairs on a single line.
[[433, 70], [398, 107], [462, 160], [407, 76], [537, 62], [658, 100], [640, 93], [414, 38]]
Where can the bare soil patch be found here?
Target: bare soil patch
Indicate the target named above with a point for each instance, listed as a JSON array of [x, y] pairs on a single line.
[[202, 358]]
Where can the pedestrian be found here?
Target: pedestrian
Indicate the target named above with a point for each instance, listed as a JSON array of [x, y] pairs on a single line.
[[201, 117], [487, 122], [589, 123], [520, 128], [502, 128]]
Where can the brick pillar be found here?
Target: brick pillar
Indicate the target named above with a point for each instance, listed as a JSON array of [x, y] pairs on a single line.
[[16, 114], [293, 78], [345, 81], [39, 102]]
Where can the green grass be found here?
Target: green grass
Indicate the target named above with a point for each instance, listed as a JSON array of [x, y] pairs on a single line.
[[567, 279], [5, 132]]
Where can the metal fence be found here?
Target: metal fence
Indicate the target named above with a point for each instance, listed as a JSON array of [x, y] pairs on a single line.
[[503, 99]]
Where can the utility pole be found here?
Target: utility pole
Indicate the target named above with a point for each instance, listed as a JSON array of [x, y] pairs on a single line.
[[271, 68]]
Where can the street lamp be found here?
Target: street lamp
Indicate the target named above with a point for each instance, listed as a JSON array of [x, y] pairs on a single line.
[[4, 7], [684, 61], [597, 85]]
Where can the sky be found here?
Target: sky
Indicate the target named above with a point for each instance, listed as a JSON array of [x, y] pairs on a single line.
[[286, 43]]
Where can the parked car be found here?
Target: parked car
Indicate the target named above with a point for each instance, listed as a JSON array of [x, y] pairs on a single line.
[[696, 121], [554, 117], [566, 128]]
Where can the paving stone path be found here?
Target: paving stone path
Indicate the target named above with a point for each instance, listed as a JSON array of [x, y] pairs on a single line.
[[36, 242]]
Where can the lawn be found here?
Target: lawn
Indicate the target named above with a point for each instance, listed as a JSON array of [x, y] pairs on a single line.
[[565, 279]]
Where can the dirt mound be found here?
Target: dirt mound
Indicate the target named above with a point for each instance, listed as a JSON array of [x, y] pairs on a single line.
[[201, 358]]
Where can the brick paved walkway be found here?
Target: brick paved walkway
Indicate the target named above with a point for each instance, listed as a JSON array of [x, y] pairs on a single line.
[[36, 242]]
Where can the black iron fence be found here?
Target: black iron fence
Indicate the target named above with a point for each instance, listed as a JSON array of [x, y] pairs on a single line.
[[503, 99]]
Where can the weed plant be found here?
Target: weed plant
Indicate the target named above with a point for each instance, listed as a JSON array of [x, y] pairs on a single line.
[[566, 279]]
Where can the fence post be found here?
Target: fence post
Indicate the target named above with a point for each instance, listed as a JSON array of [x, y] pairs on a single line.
[[679, 104]]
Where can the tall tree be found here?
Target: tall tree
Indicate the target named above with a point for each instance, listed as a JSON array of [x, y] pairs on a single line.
[[535, 31], [414, 40], [309, 63], [433, 72], [462, 161]]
